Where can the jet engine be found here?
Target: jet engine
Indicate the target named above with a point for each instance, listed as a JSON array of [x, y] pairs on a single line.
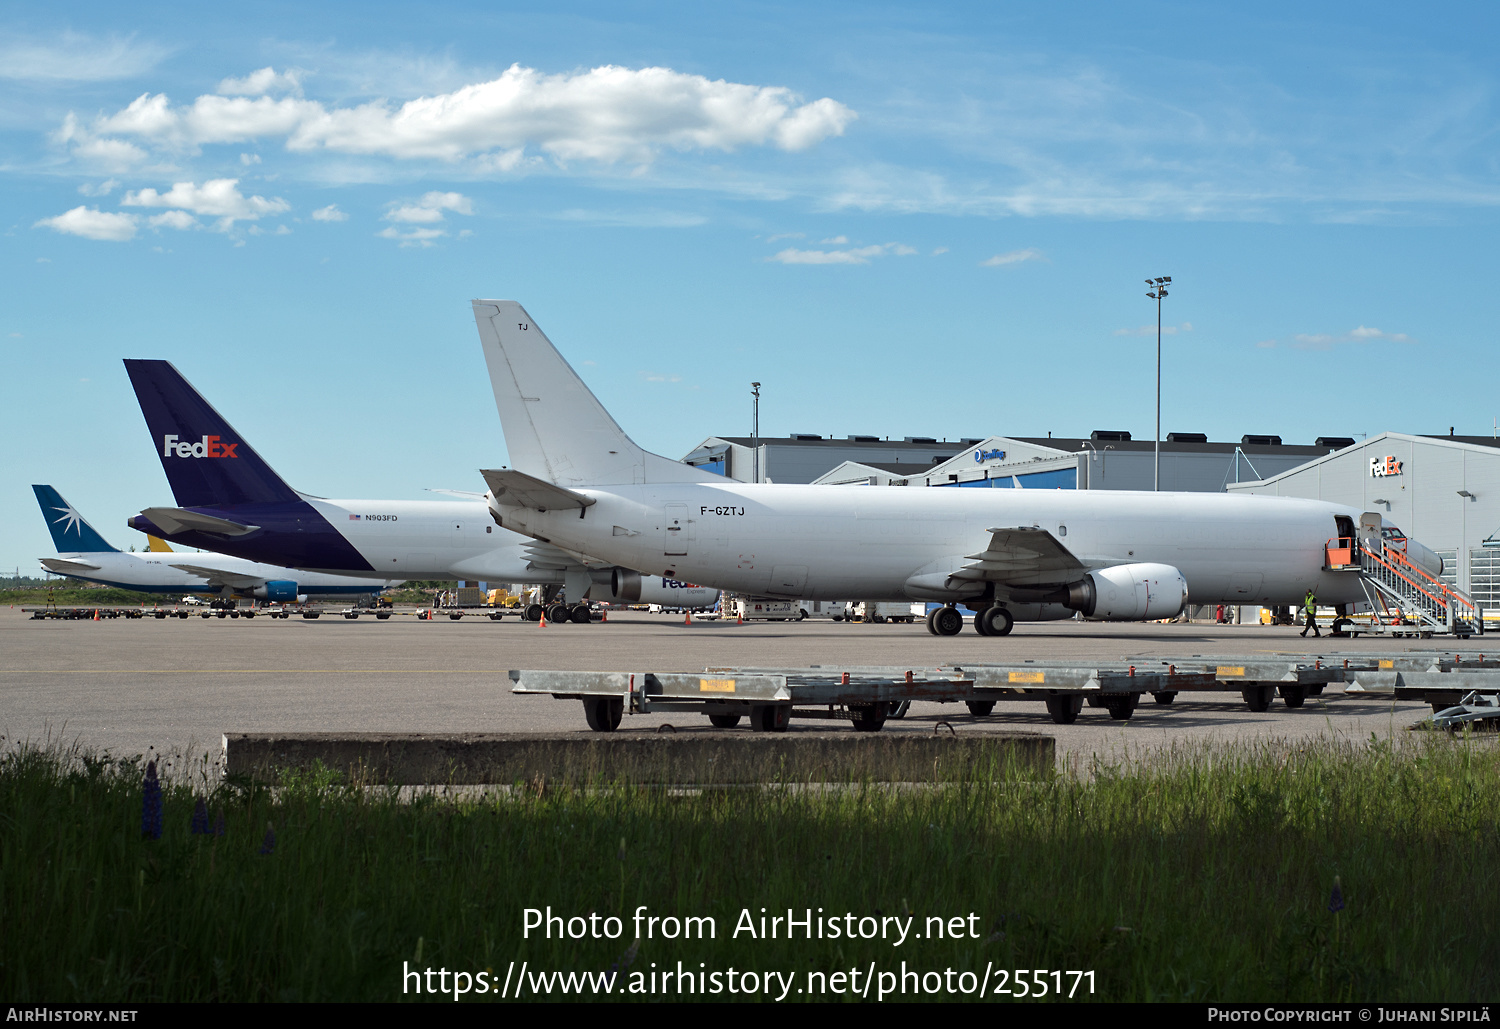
[[1129, 593], [277, 590], [627, 587]]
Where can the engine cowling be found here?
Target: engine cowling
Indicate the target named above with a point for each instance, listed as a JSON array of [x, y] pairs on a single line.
[[278, 590], [1129, 593], [630, 587]]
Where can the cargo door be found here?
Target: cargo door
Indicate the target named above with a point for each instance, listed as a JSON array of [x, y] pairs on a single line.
[[679, 531]]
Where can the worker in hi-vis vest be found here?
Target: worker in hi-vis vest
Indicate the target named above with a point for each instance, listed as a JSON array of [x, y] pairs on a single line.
[[1310, 605]]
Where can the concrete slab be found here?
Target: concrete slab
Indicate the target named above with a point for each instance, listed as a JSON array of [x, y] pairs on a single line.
[[689, 758]]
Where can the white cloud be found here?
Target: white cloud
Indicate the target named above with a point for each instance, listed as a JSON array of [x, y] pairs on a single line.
[[1150, 330], [217, 198], [939, 251], [836, 241], [856, 255], [786, 235], [102, 189], [331, 213], [173, 220], [77, 58], [1362, 334], [430, 208], [92, 223], [658, 377], [606, 114], [412, 238], [248, 159], [1012, 257], [259, 83], [112, 154]]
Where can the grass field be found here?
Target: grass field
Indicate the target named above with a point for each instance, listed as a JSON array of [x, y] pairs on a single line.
[[1207, 875], [82, 596]]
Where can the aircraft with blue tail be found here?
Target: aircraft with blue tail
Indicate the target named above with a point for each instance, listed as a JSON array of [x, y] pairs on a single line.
[[231, 501], [82, 553]]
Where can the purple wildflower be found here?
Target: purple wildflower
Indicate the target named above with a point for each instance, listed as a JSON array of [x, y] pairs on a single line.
[[219, 822], [1336, 902], [151, 804], [269, 843], [200, 818]]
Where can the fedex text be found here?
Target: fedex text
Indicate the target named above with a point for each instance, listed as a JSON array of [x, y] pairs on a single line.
[[208, 446]]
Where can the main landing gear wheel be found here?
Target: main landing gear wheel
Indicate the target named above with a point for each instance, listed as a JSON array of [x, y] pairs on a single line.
[[994, 621], [946, 621], [869, 717], [558, 613], [724, 721], [980, 708], [1064, 709], [930, 615], [581, 614], [770, 717], [533, 612], [604, 713]]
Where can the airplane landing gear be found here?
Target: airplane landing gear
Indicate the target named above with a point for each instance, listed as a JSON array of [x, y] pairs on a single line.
[[945, 621]]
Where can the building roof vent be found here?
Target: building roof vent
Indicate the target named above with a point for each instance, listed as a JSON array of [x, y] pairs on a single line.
[[863, 439], [1109, 436], [969, 441], [921, 439], [1260, 441], [805, 436], [1187, 437], [1336, 442]]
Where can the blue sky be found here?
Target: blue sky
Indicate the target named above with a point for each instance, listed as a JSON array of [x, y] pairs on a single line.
[[902, 220]]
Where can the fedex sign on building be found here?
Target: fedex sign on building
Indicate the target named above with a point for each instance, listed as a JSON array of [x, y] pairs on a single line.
[[1383, 466], [208, 446]]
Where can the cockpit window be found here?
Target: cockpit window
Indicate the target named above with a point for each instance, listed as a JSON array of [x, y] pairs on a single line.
[[1390, 532]]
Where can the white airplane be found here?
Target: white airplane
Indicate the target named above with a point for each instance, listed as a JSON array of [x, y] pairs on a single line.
[[233, 502], [84, 554], [580, 483]]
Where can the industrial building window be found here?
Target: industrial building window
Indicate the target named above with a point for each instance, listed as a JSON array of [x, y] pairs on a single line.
[[1450, 567], [1484, 577]]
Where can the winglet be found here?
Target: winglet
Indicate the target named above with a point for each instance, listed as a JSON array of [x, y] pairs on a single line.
[[555, 428], [71, 532]]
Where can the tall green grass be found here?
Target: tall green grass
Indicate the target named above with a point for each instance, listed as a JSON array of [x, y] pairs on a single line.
[[1206, 875]]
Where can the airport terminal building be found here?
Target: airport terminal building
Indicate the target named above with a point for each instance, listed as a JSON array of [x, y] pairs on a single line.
[[1441, 490]]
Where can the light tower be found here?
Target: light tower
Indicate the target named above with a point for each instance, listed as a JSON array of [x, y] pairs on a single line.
[[1158, 293]]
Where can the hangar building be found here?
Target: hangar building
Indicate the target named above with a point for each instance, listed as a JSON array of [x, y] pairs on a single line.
[[1441, 490]]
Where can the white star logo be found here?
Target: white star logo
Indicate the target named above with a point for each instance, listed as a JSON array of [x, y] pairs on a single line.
[[73, 519]]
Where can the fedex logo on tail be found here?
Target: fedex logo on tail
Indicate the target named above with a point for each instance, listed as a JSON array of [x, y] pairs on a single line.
[[208, 446]]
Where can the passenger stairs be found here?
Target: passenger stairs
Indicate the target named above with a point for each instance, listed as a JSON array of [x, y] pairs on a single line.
[[1403, 598]]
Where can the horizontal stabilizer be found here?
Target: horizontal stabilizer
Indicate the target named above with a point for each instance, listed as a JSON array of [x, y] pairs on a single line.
[[61, 567], [158, 545], [219, 577], [517, 489], [1022, 555], [174, 520]]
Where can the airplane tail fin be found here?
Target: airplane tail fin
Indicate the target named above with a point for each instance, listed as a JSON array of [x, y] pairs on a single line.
[[555, 428], [70, 531], [158, 545], [206, 461]]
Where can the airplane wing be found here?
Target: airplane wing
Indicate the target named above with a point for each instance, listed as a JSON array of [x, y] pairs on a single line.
[[219, 577], [548, 555], [63, 567], [465, 493], [175, 520], [1023, 555]]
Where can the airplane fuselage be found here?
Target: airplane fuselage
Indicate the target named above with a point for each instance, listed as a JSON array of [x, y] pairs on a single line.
[[157, 572], [822, 542]]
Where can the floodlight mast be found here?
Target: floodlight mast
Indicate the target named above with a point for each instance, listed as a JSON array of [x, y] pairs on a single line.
[[755, 432], [1158, 292]]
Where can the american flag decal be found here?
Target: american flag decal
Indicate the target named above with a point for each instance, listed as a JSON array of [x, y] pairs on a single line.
[[354, 518]]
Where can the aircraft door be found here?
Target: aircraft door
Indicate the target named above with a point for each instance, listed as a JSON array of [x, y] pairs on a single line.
[[679, 531]]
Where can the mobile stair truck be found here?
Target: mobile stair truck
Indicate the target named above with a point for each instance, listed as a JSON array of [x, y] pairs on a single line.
[[1404, 599]]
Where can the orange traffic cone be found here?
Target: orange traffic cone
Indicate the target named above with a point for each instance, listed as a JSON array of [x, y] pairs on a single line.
[[96, 614], [544, 617], [741, 619], [687, 616], [603, 614]]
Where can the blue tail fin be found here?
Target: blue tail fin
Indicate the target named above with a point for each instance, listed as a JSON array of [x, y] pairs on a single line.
[[207, 463], [70, 532]]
